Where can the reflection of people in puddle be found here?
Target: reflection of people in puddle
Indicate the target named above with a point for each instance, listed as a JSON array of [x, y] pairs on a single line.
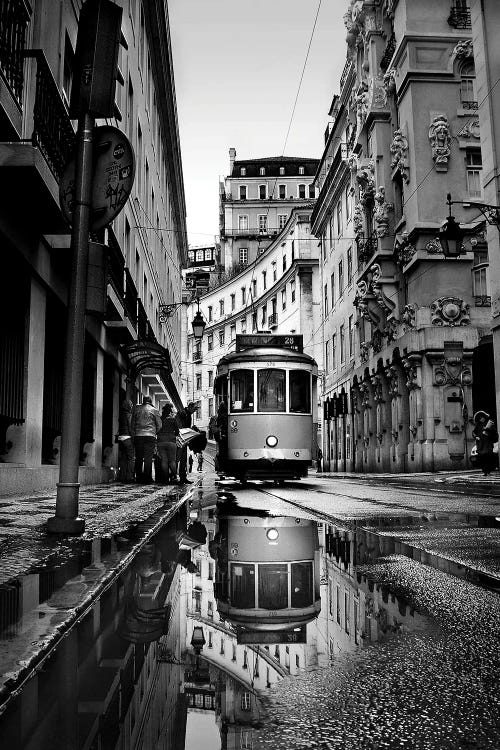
[[143, 621], [175, 543]]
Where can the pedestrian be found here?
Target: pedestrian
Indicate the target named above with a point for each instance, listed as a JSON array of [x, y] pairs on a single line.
[[190, 462], [200, 461], [184, 419], [167, 446], [146, 422], [486, 436], [319, 459], [126, 456]]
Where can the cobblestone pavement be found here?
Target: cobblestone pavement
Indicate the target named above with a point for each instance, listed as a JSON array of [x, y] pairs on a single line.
[[107, 509]]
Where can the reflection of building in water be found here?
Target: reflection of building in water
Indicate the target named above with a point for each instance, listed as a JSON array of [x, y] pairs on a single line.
[[358, 610]]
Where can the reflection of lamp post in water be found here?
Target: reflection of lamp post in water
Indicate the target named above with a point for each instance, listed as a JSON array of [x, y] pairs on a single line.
[[197, 642]]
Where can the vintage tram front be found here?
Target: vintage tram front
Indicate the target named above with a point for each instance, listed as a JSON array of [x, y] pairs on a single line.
[[266, 394]]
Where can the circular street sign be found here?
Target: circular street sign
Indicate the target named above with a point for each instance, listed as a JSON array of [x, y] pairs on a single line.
[[113, 174]]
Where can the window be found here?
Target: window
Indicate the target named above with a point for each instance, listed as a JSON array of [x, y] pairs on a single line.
[[332, 288], [243, 325], [262, 192], [282, 192], [221, 306], [271, 390], [474, 164], [283, 299], [340, 228], [262, 171], [210, 378], [198, 381], [342, 343], [243, 255], [210, 610], [302, 584], [245, 664], [273, 586], [341, 278], [274, 270], [338, 605], [69, 63], [480, 279], [254, 322], [327, 356], [262, 223], [334, 351], [326, 300], [233, 301], [467, 86], [349, 266], [210, 342], [243, 171], [351, 336], [264, 316], [312, 191], [300, 396], [243, 222], [196, 600], [246, 699], [301, 170], [284, 263], [221, 337], [243, 296], [347, 204], [346, 611], [243, 192], [254, 288], [210, 313], [282, 220], [282, 170], [301, 191], [264, 279], [242, 390], [243, 585], [292, 290], [233, 332]]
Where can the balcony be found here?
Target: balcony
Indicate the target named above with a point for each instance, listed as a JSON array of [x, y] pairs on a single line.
[[388, 53], [14, 19], [31, 169], [251, 232], [347, 69], [197, 356], [459, 17], [272, 320]]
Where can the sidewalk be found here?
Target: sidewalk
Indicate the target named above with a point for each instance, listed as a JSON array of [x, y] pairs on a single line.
[[470, 477], [107, 509]]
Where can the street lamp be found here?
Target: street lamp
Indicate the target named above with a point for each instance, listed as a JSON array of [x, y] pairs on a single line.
[[451, 235], [198, 639], [198, 323]]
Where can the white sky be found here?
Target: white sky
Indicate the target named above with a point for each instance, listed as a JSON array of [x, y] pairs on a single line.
[[202, 733], [237, 66]]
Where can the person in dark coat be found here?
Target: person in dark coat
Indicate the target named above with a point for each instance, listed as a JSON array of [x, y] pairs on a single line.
[[166, 445], [184, 419], [486, 436], [146, 421], [126, 455]]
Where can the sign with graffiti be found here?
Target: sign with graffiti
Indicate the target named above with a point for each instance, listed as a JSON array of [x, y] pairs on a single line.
[[113, 174]]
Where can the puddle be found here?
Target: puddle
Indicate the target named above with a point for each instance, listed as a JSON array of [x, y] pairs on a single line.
[[251, 628]]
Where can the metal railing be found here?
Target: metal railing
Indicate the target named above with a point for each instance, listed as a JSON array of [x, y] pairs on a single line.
[[53, 133], [345, 73], [130, 298], [14, 18], [459, 17], [251, 231], [388, 52]]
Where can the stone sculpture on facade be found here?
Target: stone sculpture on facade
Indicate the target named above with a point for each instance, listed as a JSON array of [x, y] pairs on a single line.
[[357, 219], [440, 139], [403, 249], [381, 213], [366, 180], [450, 311], [399, 151], [409, 316], [389, 82], [464, 49]]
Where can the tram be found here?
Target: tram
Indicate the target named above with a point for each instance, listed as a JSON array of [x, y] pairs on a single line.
[[267, 572], [266, 392]]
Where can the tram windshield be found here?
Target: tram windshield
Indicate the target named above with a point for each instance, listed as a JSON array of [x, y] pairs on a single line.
[[302, 584], [271, 385], [243, 585], [273, 586], [242, 390], [300, 391]]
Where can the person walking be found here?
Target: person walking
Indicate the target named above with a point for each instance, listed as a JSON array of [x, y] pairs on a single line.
[[167, 445], [486, 436], [184, 419], [200, 461], [126, 456], [146, 422], [319, 459], [190, 462]]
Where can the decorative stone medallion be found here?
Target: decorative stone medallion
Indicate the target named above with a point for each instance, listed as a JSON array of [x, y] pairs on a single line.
[[450, 311]]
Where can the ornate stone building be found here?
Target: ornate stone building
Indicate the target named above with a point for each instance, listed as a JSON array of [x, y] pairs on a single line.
[[407, 331]]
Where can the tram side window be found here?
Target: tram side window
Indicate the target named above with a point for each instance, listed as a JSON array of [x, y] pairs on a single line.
[[243, 585], [273, 586], [302, 584], [242, 390], [272, 390], [300, 391]]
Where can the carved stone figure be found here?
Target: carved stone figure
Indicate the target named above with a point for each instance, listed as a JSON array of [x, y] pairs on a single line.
[[389, 7], [364, 351], [381, 213], [408, 318], [433, 247], [361, 103], [357, 219], [389, 81], [366, 179], [450, 311], [399, 151], [392, 380], [464, 49], [391, 329], [470, 130], [440, 138]]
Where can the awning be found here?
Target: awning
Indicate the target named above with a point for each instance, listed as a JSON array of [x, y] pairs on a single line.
[[147, 354]]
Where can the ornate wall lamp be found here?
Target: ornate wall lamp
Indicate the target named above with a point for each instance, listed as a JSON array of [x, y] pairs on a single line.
[[452, 235], [198, 322]]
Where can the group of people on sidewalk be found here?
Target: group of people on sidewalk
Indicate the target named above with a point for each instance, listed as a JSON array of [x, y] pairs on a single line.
[[144, 433]]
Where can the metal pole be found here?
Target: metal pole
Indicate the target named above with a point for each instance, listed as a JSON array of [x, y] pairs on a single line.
[[66, 520]]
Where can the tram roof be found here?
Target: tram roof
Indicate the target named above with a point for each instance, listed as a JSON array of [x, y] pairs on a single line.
[[267, 354]]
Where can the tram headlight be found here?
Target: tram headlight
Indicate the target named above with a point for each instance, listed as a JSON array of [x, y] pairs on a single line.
[[272, 441], [272, 534]]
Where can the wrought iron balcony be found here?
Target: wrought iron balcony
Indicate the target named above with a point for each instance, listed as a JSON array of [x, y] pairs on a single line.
[[345, 73], [14, 18], [272, 320], [459, 17], [388, 52], [197, 356], [250, 232], [366, 246], [483, 300]]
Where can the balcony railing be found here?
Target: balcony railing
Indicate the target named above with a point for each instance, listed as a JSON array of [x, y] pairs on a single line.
[[252, 231], [388, 53], [345, 73], [14, 18], [459, 17], [130, 299], [53, 133], [197, 356], [272, 320]]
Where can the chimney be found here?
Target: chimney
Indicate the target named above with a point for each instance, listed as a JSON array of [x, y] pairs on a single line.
[[232, 157]]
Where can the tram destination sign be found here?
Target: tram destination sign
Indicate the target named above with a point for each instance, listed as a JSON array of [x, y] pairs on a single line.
[[271, 636], [255, 340]]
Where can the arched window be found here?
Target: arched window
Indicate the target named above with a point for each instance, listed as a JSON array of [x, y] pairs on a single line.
[[468, 86]]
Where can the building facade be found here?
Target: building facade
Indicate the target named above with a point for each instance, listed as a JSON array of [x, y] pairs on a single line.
[[141, 262], [255, 202], [278, 292], [407, 330]]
